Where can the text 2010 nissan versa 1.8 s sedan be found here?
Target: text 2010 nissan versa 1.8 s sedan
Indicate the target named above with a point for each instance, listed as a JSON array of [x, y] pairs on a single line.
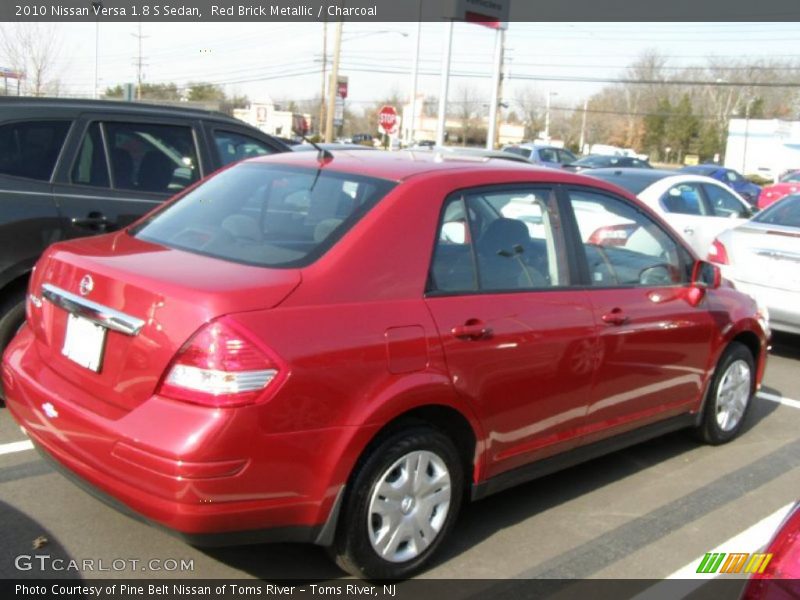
[[340, 350]]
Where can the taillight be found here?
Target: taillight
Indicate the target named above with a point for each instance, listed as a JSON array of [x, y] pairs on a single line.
[[612, 235], [717, 253], [219, 366]]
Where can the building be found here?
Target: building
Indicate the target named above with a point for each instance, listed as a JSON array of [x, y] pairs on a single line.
[[765, 147], [269, 119], [425, 127]]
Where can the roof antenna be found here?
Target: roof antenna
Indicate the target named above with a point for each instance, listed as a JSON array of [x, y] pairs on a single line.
[[322, 154]]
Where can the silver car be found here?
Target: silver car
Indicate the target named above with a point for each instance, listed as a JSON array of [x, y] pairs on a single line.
[[762, 258]]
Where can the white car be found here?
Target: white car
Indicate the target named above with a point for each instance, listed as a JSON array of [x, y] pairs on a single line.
[[762, 258], [698, 207]]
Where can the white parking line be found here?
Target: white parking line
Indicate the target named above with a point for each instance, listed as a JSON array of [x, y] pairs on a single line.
[[16, 447], [779, 399]]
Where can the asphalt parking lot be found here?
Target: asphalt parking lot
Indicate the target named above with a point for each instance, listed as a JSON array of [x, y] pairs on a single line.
[[645, 512]]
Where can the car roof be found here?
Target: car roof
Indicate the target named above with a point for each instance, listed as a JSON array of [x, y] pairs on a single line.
[[402, 164], [705, 169], [112, 106], [632, 179]]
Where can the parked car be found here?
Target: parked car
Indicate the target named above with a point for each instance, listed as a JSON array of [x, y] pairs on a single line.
[[481, 154], [317, 359], [789, 183], [698, 207], [72, 168], [334, 147], [602, 161], [733, 179], [366, 139], [549, 156], [778, 578], [762, 258]]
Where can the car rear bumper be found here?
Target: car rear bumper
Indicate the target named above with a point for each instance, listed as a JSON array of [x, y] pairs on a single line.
[[209, 475]]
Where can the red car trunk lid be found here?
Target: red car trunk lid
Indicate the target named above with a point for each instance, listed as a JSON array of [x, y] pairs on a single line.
[[169, 294]]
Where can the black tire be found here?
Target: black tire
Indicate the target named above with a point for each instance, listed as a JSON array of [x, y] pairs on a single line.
[[353, 549], [12, 316], [714, 429]]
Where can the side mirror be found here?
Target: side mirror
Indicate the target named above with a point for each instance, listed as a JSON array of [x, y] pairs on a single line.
[[706, 275]]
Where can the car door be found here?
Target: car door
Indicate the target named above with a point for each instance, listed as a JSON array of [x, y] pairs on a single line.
[[120, 167], [517, 337], [653, 344]]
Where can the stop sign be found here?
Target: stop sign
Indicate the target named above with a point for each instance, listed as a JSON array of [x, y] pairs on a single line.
[[387, 119]]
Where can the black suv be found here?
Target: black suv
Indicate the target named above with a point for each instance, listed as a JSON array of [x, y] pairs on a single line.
[[71, 168]]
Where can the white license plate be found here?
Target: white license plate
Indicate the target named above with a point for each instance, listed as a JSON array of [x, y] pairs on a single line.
[[84, 342]]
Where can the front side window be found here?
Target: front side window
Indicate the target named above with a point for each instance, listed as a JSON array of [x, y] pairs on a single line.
[[90, 165], [265, 215], [30, 148], [498, 241], [723, 203], [684, 199], [159, 159], [625, 247], [233, 147]]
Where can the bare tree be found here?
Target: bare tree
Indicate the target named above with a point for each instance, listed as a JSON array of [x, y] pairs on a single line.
[[32, 49], [467, 106], [529, 103]]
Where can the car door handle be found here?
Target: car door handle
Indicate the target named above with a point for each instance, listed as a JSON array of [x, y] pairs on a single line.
[[474, 329], [688, 230], [615, 317], [92, 220]]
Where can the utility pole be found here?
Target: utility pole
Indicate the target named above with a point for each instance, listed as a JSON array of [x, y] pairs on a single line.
[[583, 126], [324, 74], [332, 88], [139, 64]]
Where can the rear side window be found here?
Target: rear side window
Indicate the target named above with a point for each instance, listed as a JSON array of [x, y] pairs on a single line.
[[30, 148], [498, 241], [160, 159], [265, 215], [684, 199], [233, 147]]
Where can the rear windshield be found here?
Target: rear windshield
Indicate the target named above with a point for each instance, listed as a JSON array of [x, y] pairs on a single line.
[[265, 215], [786, 212]]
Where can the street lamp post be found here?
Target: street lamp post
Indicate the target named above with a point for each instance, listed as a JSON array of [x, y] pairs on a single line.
[[746, 132]]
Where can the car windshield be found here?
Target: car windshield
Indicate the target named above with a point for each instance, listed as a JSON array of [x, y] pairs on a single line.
[[786, 212], [265, 215]]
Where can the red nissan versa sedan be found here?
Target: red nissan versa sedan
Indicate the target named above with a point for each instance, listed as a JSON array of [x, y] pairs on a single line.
[[340, 350]]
